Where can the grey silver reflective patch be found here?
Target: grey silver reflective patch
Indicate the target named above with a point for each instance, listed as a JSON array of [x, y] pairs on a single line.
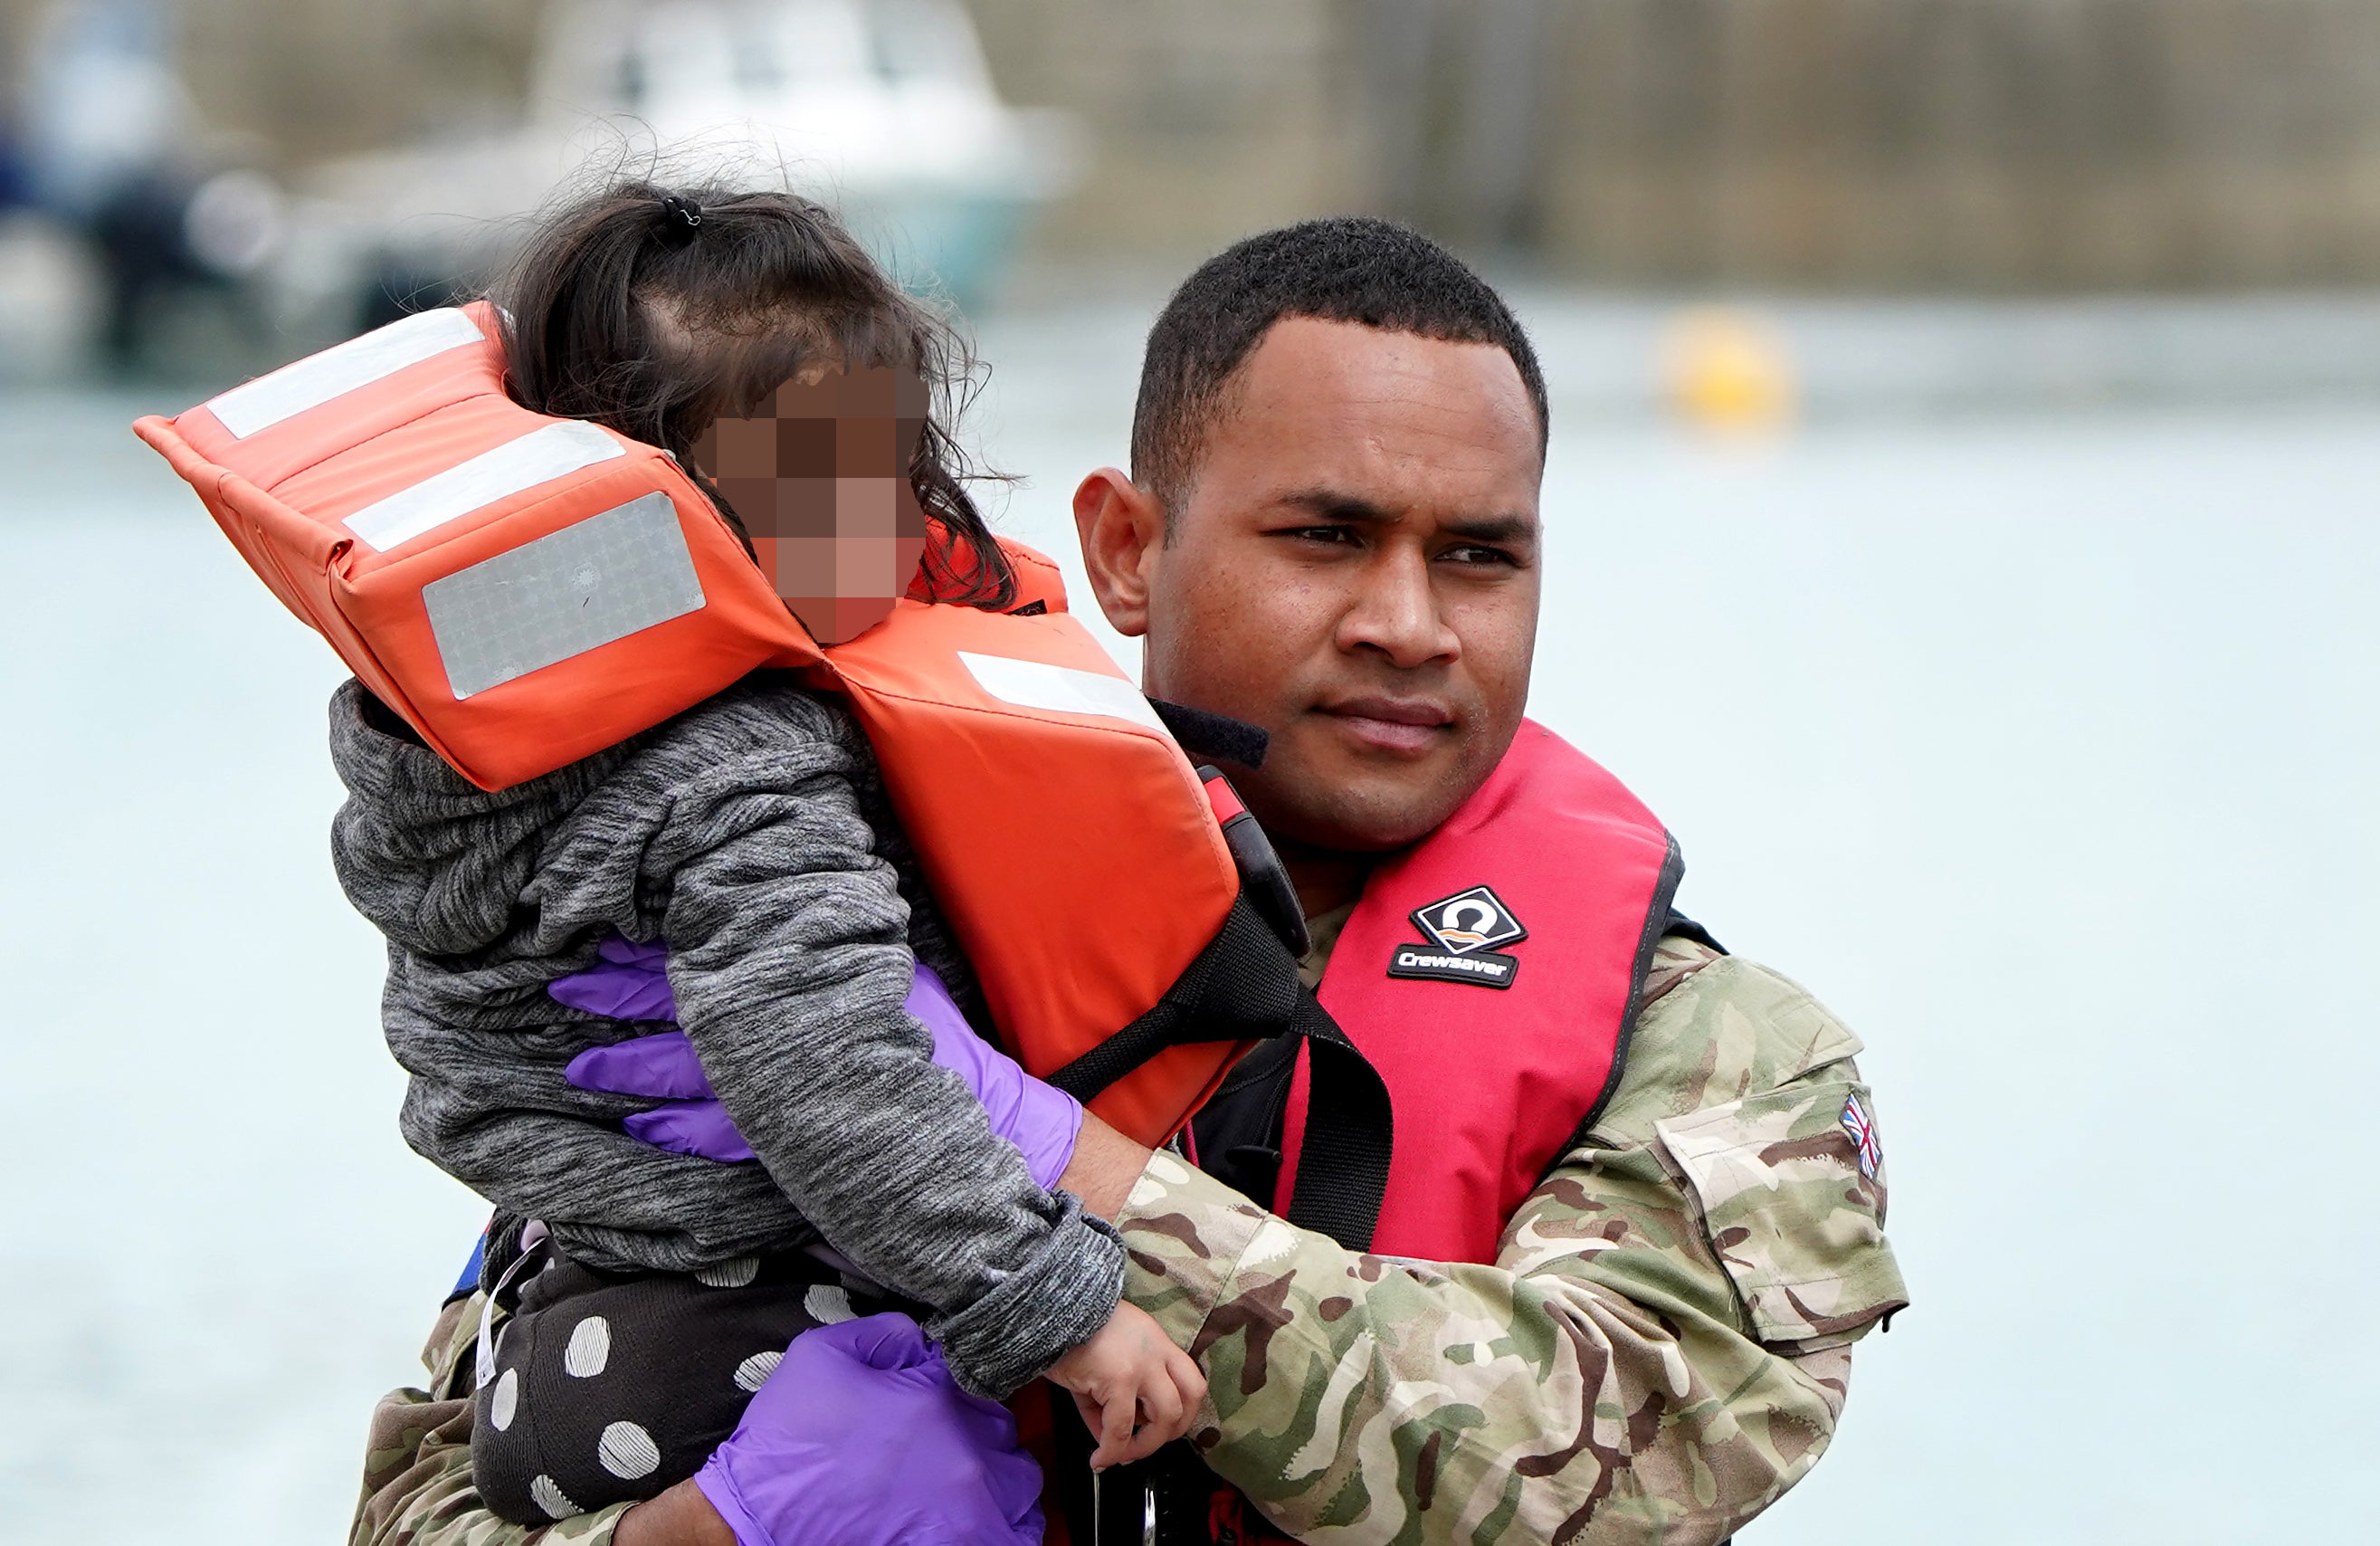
[[566, 593]]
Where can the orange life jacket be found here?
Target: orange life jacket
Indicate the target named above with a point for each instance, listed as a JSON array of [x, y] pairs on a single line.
[[526, 591]]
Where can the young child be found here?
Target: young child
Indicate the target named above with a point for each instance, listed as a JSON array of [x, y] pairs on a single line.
[[749, 837]]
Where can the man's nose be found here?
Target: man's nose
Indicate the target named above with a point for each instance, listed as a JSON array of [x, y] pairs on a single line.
[[1396, 613]]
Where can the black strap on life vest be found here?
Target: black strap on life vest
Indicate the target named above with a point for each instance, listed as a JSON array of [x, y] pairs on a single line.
[[1342, 1165], [1244, 986], [1263, 878]]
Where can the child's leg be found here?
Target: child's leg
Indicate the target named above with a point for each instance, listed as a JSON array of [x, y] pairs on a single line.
[[611, 1388]]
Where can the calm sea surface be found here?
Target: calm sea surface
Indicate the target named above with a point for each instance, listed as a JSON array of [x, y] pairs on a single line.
[[2042, 748]]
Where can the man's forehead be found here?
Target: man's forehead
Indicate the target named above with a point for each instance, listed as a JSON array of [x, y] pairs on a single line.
[[1351, 422], [1299, 357], [1340, 402]]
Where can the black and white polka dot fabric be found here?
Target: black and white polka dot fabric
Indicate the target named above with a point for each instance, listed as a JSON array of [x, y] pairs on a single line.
[[611, 1388]]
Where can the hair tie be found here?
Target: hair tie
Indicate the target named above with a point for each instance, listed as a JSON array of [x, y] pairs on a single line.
[[681, 217]]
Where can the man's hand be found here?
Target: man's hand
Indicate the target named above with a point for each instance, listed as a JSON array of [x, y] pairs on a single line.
[[860, 1438], [680, 1516], [663, 1067], [1039, 1119], [1135, 1390]]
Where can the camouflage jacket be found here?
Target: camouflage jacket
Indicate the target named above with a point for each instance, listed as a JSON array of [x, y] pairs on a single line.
[[1660, 1350]]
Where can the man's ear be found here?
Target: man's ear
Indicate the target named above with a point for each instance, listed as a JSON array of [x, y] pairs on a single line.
[[1121, 529]]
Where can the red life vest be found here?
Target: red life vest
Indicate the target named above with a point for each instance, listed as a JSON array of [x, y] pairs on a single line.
[[526, 591], [1490, 974]]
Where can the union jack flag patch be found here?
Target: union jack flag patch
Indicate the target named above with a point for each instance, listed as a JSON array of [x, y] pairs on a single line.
[[1863, 1132]]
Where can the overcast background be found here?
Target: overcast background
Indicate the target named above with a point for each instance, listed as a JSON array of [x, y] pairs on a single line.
[[1987, 607]]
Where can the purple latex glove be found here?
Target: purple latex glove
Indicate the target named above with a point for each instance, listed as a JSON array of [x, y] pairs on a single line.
[[1040, 1120], [663, 1067], [861, 1438], [629, 981]]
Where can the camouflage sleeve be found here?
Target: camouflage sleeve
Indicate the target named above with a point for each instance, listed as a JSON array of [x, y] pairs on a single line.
[[1659, 1351], [417, 1486]]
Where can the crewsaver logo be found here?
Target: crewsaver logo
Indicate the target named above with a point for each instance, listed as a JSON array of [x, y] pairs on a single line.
[[1466, 928], [1469, 921]]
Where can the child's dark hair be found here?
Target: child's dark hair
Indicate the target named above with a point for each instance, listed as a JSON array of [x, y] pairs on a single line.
[[653, 310]]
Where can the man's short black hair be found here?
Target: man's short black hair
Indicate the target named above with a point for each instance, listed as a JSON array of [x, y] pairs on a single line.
[[1345, 269]]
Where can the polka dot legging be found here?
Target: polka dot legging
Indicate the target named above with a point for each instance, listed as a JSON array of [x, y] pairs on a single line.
[[611, 1388]]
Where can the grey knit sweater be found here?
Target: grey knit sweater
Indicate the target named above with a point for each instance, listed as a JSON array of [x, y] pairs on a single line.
[[751, 834]]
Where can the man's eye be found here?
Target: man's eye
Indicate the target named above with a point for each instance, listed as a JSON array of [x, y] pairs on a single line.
[[1335, 534], [1474, 554]]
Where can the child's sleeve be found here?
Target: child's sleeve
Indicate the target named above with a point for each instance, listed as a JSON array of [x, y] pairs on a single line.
[[789, 961]]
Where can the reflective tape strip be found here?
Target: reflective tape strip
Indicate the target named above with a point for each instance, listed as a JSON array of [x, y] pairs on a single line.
[[1033, 685], [566, 593], [539, 456], [318, 378]]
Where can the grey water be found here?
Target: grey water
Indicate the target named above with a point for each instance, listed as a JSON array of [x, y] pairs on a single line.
[[2040, 744]]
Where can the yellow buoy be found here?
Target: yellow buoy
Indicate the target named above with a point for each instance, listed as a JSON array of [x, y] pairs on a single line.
[[1727, 370]]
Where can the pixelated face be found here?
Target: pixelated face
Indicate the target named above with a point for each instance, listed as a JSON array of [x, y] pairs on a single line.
[[820, 475]]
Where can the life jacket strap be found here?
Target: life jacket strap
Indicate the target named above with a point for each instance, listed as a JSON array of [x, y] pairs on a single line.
[[1263, 878], [1350, 1134], [1242, 987]]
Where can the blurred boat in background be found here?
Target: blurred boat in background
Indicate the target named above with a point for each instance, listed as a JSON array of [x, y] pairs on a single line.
[[137, 235], [881, 109]]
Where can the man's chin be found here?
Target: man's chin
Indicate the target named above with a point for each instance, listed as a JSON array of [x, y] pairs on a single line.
[[1318, 791], [1353, 813]]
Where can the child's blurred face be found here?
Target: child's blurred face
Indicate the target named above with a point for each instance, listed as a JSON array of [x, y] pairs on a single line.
[[820, 473]]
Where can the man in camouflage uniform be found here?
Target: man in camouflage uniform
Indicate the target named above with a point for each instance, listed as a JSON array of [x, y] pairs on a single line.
[[1335, 464], [1660, 1350]]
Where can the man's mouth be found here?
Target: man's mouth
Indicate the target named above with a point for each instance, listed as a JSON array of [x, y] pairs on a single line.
[[1395, 725]]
